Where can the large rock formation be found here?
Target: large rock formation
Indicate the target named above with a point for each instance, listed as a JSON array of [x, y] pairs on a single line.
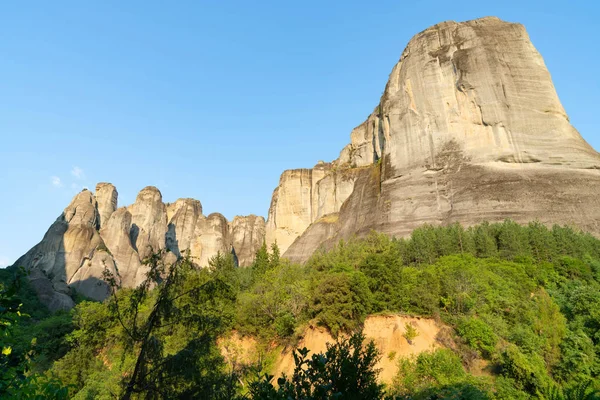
[[469, 128], [92, 236]]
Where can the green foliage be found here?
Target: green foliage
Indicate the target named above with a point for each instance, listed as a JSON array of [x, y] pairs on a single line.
[[581, 391], [440, 374], [579, 359], [525, 298], [478, 335], [263, 261], [410, 333], [276, 303], [17, 381], [340, 301], [345, 371], [528, 371], [30, 303], [155, 343]]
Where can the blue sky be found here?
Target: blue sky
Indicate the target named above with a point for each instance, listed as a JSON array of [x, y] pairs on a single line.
[[214, 99]]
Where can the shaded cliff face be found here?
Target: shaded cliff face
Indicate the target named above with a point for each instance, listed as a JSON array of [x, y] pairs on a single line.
[[92, 236], [469, 128]]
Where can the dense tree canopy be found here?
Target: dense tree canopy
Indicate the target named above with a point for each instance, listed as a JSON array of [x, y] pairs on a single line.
[[522, 304]]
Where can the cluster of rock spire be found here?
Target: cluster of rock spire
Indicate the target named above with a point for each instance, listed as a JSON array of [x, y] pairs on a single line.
[[93, 235]]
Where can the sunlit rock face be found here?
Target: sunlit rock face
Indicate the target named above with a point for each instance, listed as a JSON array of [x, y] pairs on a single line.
[[68, 244], [106, 198], [247, 236], [183, 216], [148, 222], [482, 85], [469, 128], [92, 237], [305, 196]]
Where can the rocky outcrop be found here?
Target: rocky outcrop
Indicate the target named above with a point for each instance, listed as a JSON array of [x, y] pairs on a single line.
[[247, 236], [291, 207], [116, 235], [304, 196], [106, 198], [92, 237], [54, 263], [148, 222], [212, 236], [469, 128], [183, 216]]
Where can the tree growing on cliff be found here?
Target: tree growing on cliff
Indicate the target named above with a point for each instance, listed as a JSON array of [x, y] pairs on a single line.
[[410, 333]]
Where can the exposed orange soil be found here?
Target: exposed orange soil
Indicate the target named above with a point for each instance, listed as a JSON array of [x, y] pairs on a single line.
[[386, 331]]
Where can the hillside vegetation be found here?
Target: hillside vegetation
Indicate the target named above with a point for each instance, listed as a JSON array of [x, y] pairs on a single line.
[[523, 304]]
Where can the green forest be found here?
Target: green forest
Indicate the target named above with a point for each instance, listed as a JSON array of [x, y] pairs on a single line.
[[524, 299]]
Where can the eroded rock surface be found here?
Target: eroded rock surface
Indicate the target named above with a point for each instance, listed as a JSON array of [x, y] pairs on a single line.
[[469, 128], [56, 260], [92, 236], [106, 197], [247, 236], [303, 197]]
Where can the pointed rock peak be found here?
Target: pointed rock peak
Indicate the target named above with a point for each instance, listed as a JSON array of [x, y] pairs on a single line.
[[107, 197], [84, 196], [149, 192], [148, 222], [104, 186], [82, 209], [217, 216]]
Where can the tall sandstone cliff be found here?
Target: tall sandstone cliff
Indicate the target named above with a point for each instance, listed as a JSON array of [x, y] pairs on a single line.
[[469, 128], [92, 236]]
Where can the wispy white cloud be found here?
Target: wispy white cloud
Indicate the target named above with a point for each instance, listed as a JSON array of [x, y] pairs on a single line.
[[78, 173], [56, 182]]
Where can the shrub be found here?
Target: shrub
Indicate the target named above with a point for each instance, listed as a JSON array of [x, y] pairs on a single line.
[[410, 333], [478, 335]]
